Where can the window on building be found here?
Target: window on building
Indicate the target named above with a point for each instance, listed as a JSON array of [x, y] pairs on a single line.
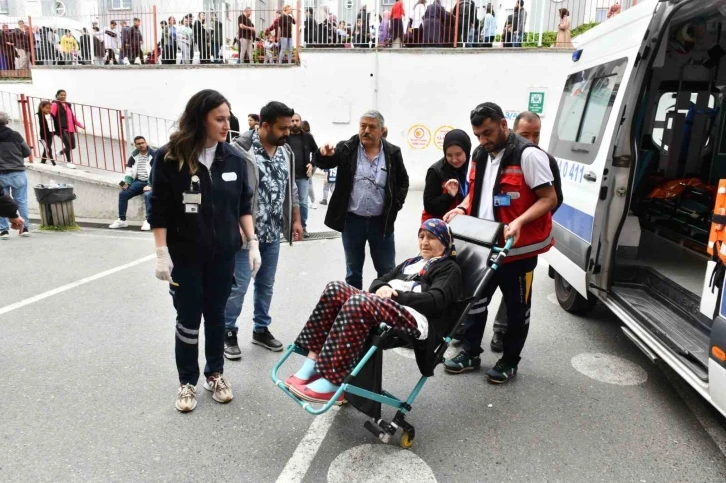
[[584, 109], [4, 6], [120, 4], [388, 2], [601, 14]]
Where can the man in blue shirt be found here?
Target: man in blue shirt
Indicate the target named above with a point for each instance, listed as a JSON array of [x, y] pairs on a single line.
[[371, 187]]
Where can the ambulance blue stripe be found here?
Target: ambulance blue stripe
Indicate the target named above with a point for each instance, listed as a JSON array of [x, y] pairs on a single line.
[[575, 221]]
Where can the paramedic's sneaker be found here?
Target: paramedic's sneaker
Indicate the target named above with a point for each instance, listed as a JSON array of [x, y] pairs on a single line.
[[497, 343], [305, 233], [266, 340], [118, 224], [324, 202], [146, 226], [70, 166], [220, 388], [4, 235], [462, 362], [186, 399], [231, 348], [501, 372], [26, 232]]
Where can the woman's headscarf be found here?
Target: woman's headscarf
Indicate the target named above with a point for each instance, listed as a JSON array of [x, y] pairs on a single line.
[[457, 137]]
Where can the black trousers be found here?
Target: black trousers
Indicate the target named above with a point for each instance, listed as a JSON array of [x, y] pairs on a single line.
[[69, 144], [515, 281], [204, 287]]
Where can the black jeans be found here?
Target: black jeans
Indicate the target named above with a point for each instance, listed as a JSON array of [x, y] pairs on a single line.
[[204, 287], [359, 230], [69, 144], [515, 281]]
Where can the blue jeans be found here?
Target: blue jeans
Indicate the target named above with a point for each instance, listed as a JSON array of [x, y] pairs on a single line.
[[285, 44], [135, 189], [147, 203], [264, 282], [359, 230], [303, 186], [15, 184]]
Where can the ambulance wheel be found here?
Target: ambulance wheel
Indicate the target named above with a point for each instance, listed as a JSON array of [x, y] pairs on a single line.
[[570, 299], [407, 437]]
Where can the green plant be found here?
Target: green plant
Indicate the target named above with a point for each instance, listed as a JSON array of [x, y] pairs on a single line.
[[549, 38], [581, 29], [59, 228]]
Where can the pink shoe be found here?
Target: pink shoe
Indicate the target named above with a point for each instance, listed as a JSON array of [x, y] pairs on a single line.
[[307, 394], [296, 381]]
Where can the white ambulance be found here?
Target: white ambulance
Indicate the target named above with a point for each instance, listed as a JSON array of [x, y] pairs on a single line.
[[640, 138]]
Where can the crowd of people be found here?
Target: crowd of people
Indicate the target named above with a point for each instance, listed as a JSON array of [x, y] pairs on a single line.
[[220, 203]]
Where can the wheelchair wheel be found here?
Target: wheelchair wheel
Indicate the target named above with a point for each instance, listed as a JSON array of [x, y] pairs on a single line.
[[407, 437]]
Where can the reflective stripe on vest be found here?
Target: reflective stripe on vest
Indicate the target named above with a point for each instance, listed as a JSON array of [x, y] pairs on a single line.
[[535, 247]]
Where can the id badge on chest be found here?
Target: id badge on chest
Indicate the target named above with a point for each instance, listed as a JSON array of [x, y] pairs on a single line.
[[192, 199], [502, 200]]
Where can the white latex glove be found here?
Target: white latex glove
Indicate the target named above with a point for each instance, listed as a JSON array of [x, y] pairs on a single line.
[[255, 257], [164, 265]]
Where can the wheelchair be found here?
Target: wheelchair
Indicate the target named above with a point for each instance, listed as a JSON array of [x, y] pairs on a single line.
[[478, 257]]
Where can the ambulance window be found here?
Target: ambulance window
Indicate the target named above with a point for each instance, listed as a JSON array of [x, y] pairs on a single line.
[[666, 105], [584, 109]]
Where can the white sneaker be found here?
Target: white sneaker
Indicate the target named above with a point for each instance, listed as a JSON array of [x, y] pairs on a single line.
[[118, 224], [315, 206], [186, 399], [59, 155], [145, 226], [70, 166]]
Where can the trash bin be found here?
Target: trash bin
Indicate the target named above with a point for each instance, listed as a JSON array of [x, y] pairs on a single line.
[[56, 204]]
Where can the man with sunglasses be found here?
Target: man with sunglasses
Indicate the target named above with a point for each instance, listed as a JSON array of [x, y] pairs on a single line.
[[510, 182]]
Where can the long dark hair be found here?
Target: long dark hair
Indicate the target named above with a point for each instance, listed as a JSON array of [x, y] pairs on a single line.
[[564, 12], [41, 106], [187, 142]]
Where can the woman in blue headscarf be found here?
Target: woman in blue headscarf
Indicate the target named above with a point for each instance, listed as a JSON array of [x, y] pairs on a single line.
[[415, 298]]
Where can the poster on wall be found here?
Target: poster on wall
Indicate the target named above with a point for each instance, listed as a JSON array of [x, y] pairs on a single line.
[[419, 136], [439, 135]]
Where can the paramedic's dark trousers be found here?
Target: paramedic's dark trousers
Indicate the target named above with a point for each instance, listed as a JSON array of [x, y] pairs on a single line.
[[515, 281], [203, 290]]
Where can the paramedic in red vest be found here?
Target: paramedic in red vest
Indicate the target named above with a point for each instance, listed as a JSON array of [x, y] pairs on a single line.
[[447, 181], [510, 182]]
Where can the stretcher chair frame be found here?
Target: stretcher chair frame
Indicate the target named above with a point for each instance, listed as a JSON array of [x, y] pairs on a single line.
[[381, 428]]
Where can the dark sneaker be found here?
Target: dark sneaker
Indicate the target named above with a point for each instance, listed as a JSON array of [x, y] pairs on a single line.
[[324, 202], [459, 333], [4, 235], [461, 363], [305, 233], [231, 348], [497, 344], [501, 372], [25, 232], [266, 340]]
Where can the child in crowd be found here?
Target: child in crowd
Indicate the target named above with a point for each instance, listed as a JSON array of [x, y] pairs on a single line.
[[270, 46], [46, 131], [329, 184]]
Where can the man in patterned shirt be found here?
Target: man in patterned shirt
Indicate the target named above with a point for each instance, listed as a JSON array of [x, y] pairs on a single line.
[[275, 210]]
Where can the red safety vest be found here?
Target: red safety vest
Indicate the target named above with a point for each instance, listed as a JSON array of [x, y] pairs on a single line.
[[535, 237]]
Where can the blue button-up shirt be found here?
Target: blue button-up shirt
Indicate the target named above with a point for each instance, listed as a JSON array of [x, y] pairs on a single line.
[[369, 185]]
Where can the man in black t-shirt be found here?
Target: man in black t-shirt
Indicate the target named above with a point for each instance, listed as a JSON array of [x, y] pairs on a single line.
[[302, 145], [246, 35]]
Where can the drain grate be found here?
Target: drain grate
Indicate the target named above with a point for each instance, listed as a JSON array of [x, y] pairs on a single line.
[[319, 235]]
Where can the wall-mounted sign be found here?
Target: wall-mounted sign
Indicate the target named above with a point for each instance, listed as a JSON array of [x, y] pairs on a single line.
[[536, 102], [419, 136], [440, 134]]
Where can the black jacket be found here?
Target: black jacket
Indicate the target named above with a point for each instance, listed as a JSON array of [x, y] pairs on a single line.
[[437, 201], [13, 150], [306, 141], [8, 206], [214, 230], [346, 160], [441, 289]]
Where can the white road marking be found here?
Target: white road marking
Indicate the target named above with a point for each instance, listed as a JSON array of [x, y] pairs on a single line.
[[64, 288], [379, 462], [297, 466], [609, 369]]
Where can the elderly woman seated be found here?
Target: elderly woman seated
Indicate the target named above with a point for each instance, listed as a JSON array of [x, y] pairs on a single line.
[[414, 298]]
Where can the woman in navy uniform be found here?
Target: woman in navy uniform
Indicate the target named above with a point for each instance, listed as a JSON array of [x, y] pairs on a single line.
[[200, 207]]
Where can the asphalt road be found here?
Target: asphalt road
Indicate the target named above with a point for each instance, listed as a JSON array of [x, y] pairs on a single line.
[[90, 385]]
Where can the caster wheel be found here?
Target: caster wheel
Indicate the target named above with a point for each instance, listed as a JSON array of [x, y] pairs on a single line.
[[406, 440]]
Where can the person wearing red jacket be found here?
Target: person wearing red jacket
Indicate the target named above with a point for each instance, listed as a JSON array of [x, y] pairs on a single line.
[[511, 182]]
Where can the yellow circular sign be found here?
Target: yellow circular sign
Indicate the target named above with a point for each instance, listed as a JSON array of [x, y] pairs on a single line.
[[440, 134], [419, 136]]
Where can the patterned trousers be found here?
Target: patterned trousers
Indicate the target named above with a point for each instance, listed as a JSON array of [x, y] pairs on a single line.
[[340, 323]]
